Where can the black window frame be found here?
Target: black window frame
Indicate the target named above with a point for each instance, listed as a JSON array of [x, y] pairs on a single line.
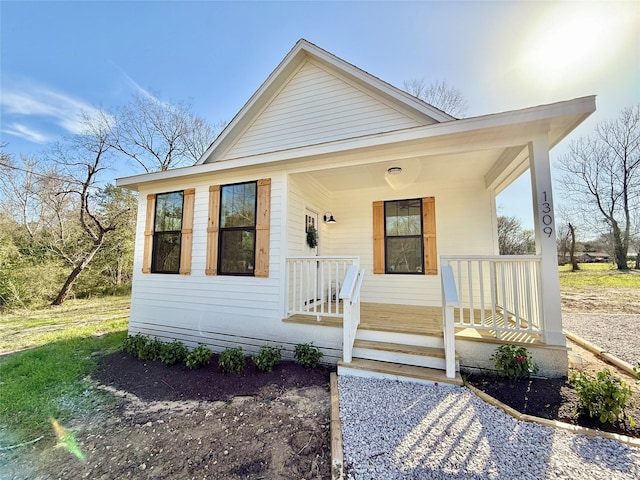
[[420, 236], [157, 235], [222, 230]]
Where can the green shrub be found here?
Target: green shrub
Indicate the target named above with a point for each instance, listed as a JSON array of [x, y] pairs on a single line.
[[307, 355], [172, 353], [267, 358], [134, 343], [199, 357], [232, 360], [514, 362], [604, 396], [150, 350]]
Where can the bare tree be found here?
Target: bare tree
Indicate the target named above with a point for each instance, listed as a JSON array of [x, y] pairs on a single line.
[[512, 238], [602, 178], [82, 161], [439, 94], [160, 136]]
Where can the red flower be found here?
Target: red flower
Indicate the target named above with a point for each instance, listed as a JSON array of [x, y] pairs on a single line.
[[520, 358]]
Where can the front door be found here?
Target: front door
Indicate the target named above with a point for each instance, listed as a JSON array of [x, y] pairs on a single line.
[[311, 247]]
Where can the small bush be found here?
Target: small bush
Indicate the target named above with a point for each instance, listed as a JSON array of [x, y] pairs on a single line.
[[199, 357], [172, 353], [307, 355], [604, 397], [267, 358], [232, 360], [133, 343], [150, 350], [514, 362]]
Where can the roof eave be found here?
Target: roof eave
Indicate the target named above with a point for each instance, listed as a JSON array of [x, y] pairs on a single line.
[[577, 109]]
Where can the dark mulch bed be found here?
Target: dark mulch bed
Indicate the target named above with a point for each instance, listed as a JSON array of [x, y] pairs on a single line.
[[154, 381], [551, 398]]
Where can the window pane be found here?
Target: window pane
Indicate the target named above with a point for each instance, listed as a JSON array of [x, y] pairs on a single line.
[[166, 252], [168, 212], [403, 255], [403, 217], [238, 205], [237, 251]]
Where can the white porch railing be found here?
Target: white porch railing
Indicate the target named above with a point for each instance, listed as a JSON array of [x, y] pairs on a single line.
[[350, 297], [314, 284], [449, 303], [501, 293]]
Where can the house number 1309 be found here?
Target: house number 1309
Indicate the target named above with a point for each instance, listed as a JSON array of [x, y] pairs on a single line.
[[547, 218]]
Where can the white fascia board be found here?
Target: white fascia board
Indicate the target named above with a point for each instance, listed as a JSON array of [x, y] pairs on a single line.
[[533, 116]]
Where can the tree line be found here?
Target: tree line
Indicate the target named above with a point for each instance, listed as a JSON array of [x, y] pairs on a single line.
[[64, 226]]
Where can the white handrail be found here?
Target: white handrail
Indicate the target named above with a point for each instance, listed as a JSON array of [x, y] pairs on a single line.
[[449, 302], [350, 296]]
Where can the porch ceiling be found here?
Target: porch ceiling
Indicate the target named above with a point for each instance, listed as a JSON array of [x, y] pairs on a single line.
[[461, 167]]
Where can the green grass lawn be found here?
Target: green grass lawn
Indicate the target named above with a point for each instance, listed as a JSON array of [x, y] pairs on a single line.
[[53, 349], [598, 275]]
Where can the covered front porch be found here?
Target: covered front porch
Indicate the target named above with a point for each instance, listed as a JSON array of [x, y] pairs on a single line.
[[406, 251], [486, 301]]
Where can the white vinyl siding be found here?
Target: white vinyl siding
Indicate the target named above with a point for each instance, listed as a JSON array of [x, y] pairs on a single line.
[[314, 107], [217, 310], [461, 222]]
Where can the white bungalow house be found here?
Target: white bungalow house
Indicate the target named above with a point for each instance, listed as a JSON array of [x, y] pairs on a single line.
[[339, 210]]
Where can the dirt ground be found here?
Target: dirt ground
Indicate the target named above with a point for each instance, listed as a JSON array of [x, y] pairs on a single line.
[[171, 422], [601, 300]]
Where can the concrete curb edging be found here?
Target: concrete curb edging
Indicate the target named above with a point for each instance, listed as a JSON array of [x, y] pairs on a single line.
[[632, 442], [337, 454], [601, 352]]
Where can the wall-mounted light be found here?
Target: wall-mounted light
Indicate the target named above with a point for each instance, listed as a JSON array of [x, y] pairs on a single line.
[[328, 218], [394, 170]]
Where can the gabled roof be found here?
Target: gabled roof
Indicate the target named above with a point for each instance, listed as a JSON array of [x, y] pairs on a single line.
[[303, 51]]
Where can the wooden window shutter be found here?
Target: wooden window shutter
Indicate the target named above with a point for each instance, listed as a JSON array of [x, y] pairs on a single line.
[[211, 267], [186, 241], [378, 237], [429, 235], [148, 234], [263, 218]]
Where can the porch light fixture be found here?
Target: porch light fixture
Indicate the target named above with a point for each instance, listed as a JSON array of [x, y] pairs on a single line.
[[394, 170], [328, 218]]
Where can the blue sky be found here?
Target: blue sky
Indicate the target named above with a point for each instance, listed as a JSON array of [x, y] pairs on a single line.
[[59, 58]]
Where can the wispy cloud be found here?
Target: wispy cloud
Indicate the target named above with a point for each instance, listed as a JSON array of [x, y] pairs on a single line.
[[26, 133], [29, 103], [136, 87]]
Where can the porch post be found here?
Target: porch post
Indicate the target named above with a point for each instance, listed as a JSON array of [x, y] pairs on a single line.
[[545, 231]]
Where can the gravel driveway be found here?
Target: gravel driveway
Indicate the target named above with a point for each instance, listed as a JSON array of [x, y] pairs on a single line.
[[619, 334], [399, 430]]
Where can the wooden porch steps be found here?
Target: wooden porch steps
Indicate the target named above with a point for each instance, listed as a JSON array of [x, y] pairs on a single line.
[[394, 371], [407, 353], [401, 348]]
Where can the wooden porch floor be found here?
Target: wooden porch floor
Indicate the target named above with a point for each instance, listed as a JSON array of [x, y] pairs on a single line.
[[417, 320]]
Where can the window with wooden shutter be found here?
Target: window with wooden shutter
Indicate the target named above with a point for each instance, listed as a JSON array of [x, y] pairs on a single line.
[[148, 234], [168, 234], [263, 219], [239, 229], [211, 267], [404, 237], [187, 231]]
